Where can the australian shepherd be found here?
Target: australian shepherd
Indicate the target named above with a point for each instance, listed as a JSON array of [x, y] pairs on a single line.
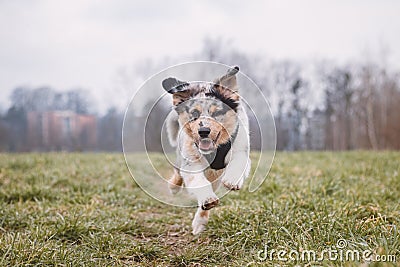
[[211, 133]]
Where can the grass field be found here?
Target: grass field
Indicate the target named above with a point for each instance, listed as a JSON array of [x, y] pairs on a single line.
[[84, 209]]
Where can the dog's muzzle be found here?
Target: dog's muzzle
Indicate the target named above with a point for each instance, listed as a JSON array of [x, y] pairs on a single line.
[[205, 144]]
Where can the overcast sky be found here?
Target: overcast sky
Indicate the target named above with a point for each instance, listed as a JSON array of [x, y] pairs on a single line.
[[82, 43]]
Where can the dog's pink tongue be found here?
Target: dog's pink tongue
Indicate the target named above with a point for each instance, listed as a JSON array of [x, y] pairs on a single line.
[[205, 144]]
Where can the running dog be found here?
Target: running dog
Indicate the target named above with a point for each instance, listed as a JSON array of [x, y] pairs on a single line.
[[210, 130]]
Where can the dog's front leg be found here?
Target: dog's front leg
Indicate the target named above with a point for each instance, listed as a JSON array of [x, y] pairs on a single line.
[[200, 220], [236, 171], [197, 185]]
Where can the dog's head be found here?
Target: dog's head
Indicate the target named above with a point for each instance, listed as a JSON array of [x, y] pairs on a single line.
[[207, 111]]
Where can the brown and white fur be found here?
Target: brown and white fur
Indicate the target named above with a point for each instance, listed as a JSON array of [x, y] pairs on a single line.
[[210, 130]]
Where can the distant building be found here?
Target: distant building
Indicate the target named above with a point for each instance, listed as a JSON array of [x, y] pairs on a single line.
[[61, 130]]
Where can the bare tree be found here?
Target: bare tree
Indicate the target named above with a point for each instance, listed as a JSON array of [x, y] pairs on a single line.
[[338, 102]]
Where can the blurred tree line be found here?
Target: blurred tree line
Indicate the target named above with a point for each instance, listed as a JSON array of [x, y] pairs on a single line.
[[317, 106]]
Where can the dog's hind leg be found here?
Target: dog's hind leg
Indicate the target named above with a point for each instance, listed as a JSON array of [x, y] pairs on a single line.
[[175, 182], [200, 220]]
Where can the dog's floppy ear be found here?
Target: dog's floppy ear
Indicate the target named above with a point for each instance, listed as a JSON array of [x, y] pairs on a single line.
[[227, 85], [173, 85], [177, 88]]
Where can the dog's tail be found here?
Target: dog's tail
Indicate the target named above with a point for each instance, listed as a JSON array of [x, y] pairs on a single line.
[[173, 128]]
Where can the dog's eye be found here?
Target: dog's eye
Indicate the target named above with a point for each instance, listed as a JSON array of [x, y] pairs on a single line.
[[218, 113], [195, 114]]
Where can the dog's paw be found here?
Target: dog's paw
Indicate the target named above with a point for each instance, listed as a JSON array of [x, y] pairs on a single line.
[[209, 203], [199, 221], [232, 185], [198, 227]]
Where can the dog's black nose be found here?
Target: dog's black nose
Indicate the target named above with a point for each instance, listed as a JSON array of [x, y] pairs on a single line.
[[204, 132]]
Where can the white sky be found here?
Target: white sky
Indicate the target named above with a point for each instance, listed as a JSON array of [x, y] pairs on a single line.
[[82, 43]]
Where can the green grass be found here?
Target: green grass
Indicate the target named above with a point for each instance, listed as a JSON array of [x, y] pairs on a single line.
[[85, 210]]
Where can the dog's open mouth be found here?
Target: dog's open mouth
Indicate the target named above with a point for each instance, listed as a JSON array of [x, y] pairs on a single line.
[[206, 145]]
